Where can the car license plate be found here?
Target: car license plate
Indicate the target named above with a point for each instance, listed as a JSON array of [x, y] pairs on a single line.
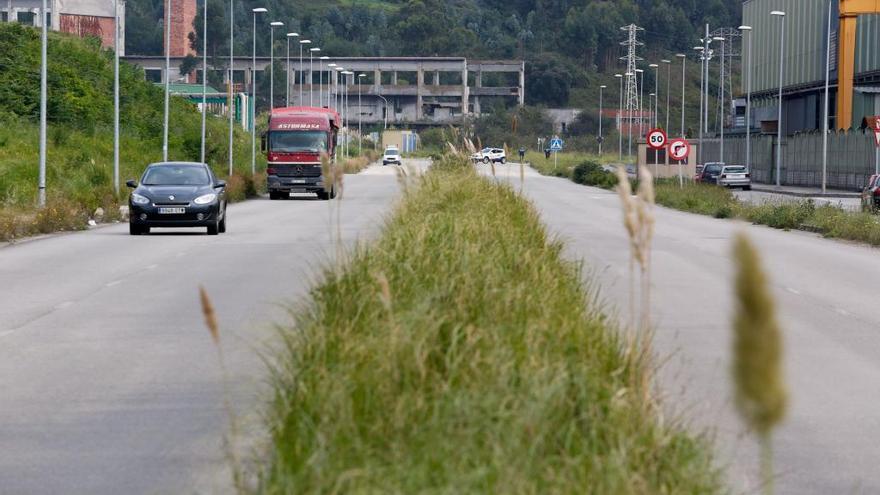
[[298, 181], [172, 211]]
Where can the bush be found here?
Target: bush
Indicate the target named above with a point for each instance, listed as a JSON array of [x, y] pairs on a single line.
[[590, 173]]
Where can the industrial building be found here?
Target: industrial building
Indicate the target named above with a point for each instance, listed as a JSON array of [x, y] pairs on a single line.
[[417, 91], [79, 17], [854, 63]]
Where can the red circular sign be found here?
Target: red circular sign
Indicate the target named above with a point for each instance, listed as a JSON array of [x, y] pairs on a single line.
[[679, 149], [657, 139]]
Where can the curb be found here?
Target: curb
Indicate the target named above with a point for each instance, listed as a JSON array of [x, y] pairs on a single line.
[[774, 190]]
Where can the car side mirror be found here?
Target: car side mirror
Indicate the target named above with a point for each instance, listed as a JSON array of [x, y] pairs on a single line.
[[131, 183], [220, 184]]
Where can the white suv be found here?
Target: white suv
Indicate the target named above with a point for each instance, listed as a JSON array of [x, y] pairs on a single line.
[[490, 155], [392, 155]]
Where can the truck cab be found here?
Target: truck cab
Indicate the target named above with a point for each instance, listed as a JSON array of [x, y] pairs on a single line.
[[296, 139]]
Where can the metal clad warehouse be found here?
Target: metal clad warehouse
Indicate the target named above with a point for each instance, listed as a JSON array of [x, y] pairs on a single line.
[[804, 63]]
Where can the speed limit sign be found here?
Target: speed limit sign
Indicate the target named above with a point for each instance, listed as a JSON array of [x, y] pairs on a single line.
[[657, 139]]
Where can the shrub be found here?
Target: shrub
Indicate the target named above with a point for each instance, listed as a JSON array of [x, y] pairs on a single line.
[[590, 173]]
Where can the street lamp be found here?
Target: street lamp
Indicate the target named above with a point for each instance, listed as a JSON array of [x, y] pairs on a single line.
[[167, 78], [330, 77], [385, 113], [321, 81], [601, 89], [656, 68], [252, 114], [360, 115], [619, 120], [668, 86], [116, 91], [44, 42], [339, 109], [683, 58], [301, 70], [721, 83], [272, 26], [312, 75], [287, 69], [748, 33], [827, 91], [641, 74], [345, 104], [781, 15], [702, 52], [231, 104]]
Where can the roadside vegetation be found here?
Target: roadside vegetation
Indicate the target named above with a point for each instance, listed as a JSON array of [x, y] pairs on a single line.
[[460, 353]]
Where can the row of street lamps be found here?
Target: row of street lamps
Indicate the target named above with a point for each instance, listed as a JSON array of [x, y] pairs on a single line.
[[705, 54]]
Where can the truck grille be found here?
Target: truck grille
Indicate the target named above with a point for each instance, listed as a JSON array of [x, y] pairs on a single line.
[[298, 170]]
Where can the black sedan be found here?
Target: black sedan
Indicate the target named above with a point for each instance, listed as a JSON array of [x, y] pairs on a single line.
[[177, 194]]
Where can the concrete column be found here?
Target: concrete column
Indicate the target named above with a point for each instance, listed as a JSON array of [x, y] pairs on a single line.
[[377, 80], [522, 84], [394, 78], [437, 78], [465, 91], [477, 109], [420, 83]]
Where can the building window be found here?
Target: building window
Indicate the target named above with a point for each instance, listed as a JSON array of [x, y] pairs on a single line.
[[153, 75], [26, 18], [4, 16]]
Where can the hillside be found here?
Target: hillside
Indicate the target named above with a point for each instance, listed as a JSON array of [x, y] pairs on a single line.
[[80, 130], [563, 41]]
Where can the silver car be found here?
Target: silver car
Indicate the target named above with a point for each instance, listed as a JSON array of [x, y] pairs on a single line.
[[735, 176]]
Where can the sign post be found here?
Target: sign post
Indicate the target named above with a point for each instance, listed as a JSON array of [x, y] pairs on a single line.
[[679, 149], [556, 145], [656, 141], [877, 145]]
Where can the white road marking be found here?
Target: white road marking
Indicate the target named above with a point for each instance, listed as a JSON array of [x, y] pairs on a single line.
[[6, 333], [152, 267], [113, 283], [65, 304], [793, 291]]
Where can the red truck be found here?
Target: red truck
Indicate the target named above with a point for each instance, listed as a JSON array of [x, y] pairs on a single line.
[[294, 142]]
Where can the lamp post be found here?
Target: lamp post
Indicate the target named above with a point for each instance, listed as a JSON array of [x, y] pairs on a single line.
[[781, 15], [167, 78], [272, 26], [668, 64], [321, 81], [601, 89], [619, 120], [116, 93], [340, 110], [656, 68], [330, 76], [827, 91], [253, 106], [385, 113], [683, 58], [748, 34], [301, 71], [44, 42], [641, 74], [287, 70], [702, 52], [345, 84], [360, 116], [721, 83], [231, 104], [629, 118], [312, 75]]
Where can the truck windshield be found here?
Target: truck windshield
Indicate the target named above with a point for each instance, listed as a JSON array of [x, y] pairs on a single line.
[[290, 141]]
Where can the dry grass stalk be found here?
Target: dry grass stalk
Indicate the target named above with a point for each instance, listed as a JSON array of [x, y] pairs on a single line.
[[761, 395], [210, 316]]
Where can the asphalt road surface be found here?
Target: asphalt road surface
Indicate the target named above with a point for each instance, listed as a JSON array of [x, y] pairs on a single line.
[[826, 292], [109, 381]]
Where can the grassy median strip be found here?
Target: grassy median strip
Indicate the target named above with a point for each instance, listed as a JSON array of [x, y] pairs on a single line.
[[461, 354]]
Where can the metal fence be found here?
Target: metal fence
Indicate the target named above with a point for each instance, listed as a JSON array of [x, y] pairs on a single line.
[[851, 158]]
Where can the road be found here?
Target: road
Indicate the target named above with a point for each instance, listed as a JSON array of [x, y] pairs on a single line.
[[109, 381], [826, 293]]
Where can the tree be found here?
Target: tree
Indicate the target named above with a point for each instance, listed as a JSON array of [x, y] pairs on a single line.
[[188, 64]]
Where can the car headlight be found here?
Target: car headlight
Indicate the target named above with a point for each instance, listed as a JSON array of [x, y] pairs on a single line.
[[139, 199], [206, 199]]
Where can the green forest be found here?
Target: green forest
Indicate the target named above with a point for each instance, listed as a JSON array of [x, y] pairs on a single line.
[[564, 42]]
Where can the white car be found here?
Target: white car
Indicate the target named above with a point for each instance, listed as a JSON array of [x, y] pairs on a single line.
[[392, 155], [487, 155]]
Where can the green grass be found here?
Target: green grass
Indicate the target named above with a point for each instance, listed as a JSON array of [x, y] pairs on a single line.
[[461, 354], [565, 162]]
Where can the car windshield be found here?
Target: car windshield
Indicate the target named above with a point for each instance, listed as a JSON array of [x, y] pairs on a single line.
[[735, 170], [176, 175], [291, 141], [713, 168], [390, 152]]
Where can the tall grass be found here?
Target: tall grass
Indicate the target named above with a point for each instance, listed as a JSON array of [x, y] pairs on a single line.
[[461, 354]]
